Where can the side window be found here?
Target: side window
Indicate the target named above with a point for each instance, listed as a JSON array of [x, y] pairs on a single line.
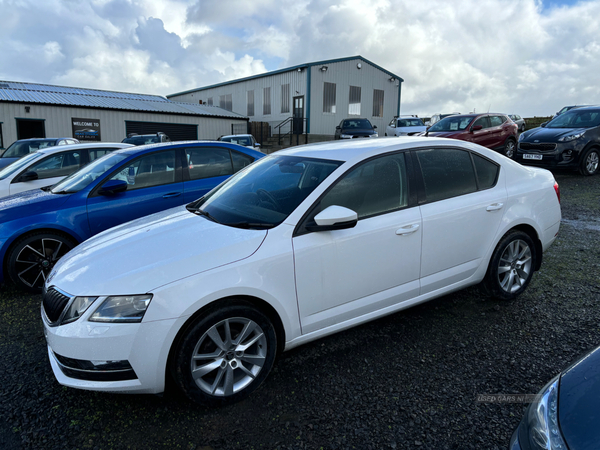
[[97, 153], [496, 121], [374, 187], [208, 162], [240, 160], [487, 172], [59, 165], [150, 170], [447, 172], [483, 121]]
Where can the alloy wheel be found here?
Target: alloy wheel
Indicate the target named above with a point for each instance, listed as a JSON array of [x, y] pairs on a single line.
[[514, 267], [36, 259], [591, 162]]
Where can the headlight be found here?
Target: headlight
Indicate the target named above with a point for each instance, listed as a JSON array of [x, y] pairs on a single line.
[[122, 308], [521, 136], [542, 420], [345, 136], [79, 305], [571, 137], [375, 134]]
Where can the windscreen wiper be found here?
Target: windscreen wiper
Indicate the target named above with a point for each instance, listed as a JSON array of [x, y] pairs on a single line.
[[201, 212], [250, 225]]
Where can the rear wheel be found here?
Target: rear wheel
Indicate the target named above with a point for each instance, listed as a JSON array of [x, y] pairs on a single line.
[[31, 259], [224, 356], [511, 266], [589, 162]]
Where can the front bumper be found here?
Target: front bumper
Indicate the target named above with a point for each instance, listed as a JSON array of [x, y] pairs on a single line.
[[564, 155], [110, 357]]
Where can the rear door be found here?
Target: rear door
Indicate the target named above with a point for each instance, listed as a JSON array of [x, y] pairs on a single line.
[[481, 137], [154, 183]]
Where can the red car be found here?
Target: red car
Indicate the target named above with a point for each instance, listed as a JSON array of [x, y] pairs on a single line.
[[495, 131]]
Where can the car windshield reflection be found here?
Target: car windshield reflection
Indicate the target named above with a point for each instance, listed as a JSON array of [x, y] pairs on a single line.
[[265, 193], [576, 118]]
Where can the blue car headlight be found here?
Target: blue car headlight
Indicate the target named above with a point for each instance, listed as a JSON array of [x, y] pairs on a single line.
[[542, 420], [571, 137]]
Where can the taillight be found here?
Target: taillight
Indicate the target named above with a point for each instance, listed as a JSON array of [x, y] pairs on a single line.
[[557, 190]]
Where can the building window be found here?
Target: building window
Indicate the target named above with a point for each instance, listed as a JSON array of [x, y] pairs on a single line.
[[377, 103], [285, 98], [250, 99], [354, 103], [329, 98], [209, 101], [226, 102], [266, 101]]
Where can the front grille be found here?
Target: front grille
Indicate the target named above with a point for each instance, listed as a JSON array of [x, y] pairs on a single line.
[[54, 303], [538, 147]]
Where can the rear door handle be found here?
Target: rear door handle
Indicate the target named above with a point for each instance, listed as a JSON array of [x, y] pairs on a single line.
[[407, 229], [172, 194], [494, 207]]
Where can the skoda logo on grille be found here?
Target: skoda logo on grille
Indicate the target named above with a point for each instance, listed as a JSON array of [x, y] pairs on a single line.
[[536, 141]]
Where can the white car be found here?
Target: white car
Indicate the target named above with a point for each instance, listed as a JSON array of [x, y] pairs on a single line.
[[50, 165], [246, 140], [405, 126], [301, 244]]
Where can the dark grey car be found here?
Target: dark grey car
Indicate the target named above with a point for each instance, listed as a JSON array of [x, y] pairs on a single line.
[[23, 147], [570, 141]]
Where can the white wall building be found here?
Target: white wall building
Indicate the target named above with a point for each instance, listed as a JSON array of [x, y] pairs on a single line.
[[322, 93]]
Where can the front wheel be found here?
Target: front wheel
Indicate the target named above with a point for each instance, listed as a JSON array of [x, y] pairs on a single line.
[[224, 356], [509, 148], [589, 162], [511, 266], [32, 258]]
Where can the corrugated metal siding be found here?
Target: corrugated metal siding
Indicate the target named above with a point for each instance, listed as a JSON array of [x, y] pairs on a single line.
[[58, 95], [296, 80], [57, 121], [345, 74]]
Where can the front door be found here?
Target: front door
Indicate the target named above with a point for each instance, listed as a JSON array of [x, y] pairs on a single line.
[[298, 125]]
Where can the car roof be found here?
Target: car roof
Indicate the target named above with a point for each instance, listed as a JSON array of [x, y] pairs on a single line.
[[45, 139], [62, 148], [235, 135], [349, 150], [136, 149]]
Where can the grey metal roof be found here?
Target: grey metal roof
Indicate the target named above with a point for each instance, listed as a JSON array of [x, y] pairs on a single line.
[[93, 98], [289, 69]]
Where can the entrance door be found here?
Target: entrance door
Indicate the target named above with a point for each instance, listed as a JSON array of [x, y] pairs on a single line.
[[298, 125], [30, 128]]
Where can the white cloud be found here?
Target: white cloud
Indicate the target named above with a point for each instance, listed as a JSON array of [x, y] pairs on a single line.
[[515, 56]]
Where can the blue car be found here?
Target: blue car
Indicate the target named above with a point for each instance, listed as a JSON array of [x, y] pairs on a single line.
[[38, 227]]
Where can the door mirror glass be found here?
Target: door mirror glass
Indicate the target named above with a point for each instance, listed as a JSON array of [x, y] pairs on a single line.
[[112, 187]]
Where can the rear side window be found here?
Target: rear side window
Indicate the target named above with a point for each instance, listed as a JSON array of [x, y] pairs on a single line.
[[240, 160], [487, 172], [447, 172], [208, 162], [97, 153]]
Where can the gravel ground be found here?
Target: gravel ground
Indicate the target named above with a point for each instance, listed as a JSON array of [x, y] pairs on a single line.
[[409, 380]]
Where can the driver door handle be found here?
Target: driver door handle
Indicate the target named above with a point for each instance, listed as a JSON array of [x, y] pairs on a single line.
[[408, 229], [172, 194]]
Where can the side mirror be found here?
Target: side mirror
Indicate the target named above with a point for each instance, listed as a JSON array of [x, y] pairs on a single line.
[[334, 218], [256, 144], [112, 187], [476, 128], [338, 128], [374, 127], [543, 125], [28, 176]]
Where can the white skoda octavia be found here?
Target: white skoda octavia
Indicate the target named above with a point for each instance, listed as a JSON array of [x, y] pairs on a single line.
[[299, 245]]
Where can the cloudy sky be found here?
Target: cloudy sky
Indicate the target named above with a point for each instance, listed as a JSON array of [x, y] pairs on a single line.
[[528, 57]]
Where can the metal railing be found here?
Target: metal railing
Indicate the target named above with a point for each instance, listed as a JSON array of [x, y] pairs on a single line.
[[292, 126]]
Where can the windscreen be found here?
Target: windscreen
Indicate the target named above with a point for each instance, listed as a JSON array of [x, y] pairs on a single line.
[[265, 193], [576, 118], [18, 165], [452, 123], [18, 149]]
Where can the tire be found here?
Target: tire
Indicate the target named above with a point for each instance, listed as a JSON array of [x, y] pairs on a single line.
[[511, 266], [225, 371], [32, 257], [509, 148], [589, 162], [523, 128]]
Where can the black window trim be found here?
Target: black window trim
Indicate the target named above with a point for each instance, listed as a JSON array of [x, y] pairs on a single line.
[[178, 175], [300, 228], [420, 181]]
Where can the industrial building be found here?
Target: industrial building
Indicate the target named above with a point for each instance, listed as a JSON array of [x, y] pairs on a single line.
[[35, 110], [318, 95]]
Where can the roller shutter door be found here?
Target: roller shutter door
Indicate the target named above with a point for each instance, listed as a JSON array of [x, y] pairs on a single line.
[[175, 131]]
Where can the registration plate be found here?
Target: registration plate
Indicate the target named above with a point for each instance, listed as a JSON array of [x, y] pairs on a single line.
[[530, 156]]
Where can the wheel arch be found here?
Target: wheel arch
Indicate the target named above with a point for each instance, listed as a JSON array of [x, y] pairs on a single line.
[[532, 233], [248, 300]]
